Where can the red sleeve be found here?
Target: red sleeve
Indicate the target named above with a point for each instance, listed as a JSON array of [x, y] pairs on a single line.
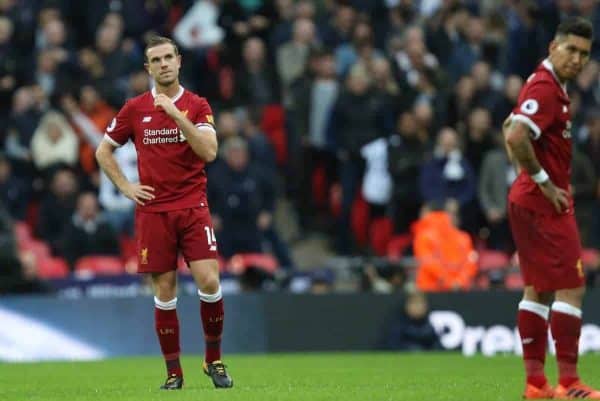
[[537, 107], [119, 130], [203, 116]]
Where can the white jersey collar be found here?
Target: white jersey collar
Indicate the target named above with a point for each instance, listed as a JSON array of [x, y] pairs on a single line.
[[548, 65], [174, 98]]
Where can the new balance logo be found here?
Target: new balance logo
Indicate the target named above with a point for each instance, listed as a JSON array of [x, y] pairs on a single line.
[[147, 119], [213, 247], [527, 340]]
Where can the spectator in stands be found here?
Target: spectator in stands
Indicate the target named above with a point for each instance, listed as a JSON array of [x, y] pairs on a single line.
[[311, 101], [445, 255], [87, 233], [256, 82], [56, 208], [417, 69], [292, 56], [444, 36], [337, 30], [467, 51], [495, 178], [486, 96], [54, 142], [261, 150], [479, 137], [406, 154], [350, 130], [25, 116], [508, 100], [448, 174], [411, 329], [14, 277], [461, 101], [242, 198], [14, 192], [91, 117], [11, 71], [360, 48]]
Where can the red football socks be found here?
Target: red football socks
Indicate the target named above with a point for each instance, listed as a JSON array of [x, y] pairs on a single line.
[[212, 313], [533, 329], [565, 324], [167, 330]]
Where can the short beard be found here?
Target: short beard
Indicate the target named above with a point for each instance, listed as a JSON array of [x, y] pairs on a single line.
[[166, 83]]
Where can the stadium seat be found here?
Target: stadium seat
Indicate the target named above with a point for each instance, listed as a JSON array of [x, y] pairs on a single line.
[[238, 263], [359, 220], [590, 257], [22, 231], [52, 268], [514, 281], [492, 260], [39, 248], [335, 200], [100, 265], [398, 245], [273, 125], [320, 190], [380, 234]]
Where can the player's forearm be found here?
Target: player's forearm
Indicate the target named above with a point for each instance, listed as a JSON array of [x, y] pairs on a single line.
[[205, 146], [519, 145], [108, 164]]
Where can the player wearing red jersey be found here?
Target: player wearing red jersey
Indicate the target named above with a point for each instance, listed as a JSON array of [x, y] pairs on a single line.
[[174, 136], [538, 137]]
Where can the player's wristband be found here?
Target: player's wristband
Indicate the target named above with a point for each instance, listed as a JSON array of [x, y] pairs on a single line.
[[540, 177]]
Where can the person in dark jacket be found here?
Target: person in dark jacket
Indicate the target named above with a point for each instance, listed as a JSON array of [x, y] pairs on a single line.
[[412, 330], [87, 233], [242, 199]]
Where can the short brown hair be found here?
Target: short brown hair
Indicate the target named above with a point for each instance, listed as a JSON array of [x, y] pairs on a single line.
[[577, 26], [154, 41]]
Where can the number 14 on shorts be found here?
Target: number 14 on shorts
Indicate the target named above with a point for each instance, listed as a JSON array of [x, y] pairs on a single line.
[[211, 238]]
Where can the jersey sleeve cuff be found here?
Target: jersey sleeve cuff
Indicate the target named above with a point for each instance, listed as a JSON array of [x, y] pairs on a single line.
[[529, 122], [112, 141], [206, 126]]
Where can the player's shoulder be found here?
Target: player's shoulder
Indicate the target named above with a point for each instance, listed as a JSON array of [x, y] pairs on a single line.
[[193, 97], [541, 79], [142, 100]]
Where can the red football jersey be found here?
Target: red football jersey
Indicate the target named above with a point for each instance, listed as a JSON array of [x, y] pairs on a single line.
[[165, 160], [544, 106]]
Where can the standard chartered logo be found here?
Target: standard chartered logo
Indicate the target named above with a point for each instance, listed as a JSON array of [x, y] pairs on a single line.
[[163, 135]]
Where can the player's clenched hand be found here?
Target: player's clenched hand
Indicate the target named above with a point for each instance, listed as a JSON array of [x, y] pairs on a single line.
[[164, 102], [139, 193], [557, 196]]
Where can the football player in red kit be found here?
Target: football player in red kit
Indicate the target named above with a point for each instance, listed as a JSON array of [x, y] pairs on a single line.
[[538, 137], [174, 135]]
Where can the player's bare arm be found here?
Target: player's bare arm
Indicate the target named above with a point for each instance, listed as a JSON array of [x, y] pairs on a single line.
[[203, 141], [517, 139], [136, 192]]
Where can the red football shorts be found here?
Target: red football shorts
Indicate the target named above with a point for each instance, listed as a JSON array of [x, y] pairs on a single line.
[[549, 249], [160, 236]]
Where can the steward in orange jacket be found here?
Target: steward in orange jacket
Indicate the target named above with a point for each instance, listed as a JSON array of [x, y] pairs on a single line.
[[445, 256]]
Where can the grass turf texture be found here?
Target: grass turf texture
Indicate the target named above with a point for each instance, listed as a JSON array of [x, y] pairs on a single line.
[[318, 376]]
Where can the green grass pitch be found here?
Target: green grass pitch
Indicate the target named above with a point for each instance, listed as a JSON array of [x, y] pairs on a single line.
[[311, 376]]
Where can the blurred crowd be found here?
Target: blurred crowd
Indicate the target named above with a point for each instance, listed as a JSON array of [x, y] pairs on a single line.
[[376, 119]]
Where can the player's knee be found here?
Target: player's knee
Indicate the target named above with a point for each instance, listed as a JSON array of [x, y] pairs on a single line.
[[210, 285]]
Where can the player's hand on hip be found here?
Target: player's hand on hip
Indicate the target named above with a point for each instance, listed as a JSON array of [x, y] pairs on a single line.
[[139, 193], [557, 196], [164, 102]]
